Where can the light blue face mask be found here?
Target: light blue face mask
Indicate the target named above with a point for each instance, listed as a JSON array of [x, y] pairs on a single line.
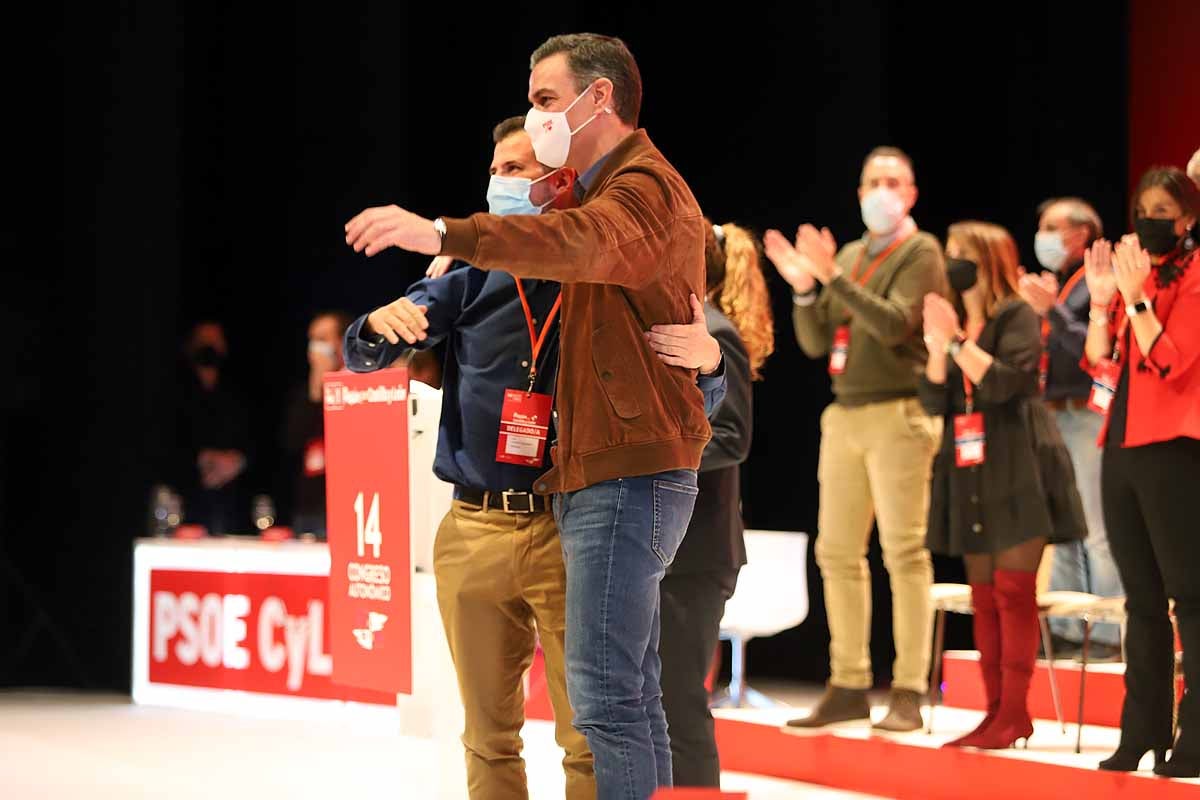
[[507, 196], [1050, 251]]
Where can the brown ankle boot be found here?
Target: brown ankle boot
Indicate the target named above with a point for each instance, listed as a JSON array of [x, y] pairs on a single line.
[[836, 705], [904, 712]]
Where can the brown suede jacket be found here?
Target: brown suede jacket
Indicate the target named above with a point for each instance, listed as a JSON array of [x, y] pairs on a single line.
[[628, 258]]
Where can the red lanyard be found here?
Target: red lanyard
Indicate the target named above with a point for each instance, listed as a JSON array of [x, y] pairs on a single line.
[[1067, 288], [1122, 326], [536, 341], [969, 387], [862, 279]]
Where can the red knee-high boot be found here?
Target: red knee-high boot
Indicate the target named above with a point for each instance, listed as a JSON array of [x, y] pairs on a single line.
[[987, 642], [1016, 602]]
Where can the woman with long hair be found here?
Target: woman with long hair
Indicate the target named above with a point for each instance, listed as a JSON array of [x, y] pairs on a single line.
[[1142, 346], [1002, 484], [702, 577]]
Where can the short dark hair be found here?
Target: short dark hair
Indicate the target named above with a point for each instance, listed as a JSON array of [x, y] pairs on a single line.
[[342, 319], [590, 57], [889, 152], [507, 128], [1079, 212], [1174, 182]]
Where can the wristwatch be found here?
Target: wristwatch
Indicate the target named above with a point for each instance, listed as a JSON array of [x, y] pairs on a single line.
[[1133, 309], [955, 345], [439, 225]]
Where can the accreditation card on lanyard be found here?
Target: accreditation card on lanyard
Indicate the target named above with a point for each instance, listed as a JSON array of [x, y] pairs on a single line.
[[525, 414], [1107, 375], [970, 437], [839, 351]]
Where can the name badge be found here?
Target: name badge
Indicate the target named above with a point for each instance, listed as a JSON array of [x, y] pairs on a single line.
[[314, 458], [840, 350], [1104, 385], [524, 427], [970, 440]]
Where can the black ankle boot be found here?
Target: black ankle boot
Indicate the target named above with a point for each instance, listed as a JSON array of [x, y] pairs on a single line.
[[1127, 759], [1181, 766]]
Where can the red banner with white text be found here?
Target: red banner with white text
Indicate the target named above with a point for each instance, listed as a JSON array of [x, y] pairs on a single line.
[[367, 518], [246, 631]]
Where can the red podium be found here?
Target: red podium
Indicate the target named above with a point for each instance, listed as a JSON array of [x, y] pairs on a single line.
[[367, 508]]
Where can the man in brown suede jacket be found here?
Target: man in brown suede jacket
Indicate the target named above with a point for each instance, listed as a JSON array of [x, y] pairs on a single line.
[[631, 423]]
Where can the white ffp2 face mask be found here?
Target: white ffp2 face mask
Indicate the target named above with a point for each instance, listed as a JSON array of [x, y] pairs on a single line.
[[551, 133], [1050, 251], [882, 210]]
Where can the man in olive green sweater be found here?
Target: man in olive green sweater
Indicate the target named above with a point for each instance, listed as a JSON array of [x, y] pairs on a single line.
[[862, 309]]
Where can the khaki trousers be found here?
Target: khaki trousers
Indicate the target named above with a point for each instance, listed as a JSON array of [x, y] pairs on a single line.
[[875, 465], [501, 586]]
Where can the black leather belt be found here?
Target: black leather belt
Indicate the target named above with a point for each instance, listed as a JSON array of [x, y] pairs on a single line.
[[509, 502]]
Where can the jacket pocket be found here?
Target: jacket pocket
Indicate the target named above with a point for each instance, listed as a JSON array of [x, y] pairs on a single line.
[[617, 369]]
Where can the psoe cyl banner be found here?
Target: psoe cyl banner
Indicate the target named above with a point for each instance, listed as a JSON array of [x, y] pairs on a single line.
[[252, 632], [367, 519]]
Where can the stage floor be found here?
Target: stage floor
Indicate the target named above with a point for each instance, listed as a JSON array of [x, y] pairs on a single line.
[[58, 745]]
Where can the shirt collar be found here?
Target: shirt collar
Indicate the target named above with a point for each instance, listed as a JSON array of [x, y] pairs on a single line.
[[584, 184], [877, 244]]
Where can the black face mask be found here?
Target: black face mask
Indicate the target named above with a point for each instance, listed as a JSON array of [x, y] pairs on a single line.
[[208, 356], [962, 273], [1156, 235]]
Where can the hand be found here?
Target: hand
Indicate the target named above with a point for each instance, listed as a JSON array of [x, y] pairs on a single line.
[[817, 250], [439, 267], [377, 229], [788, 262], [1040, 291], [1131, 267], [689, 346], [401, 319], [941, 320], [219, 467], [1098, 271]]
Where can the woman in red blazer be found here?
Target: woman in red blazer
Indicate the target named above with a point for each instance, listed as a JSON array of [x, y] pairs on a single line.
[[1143, 351]]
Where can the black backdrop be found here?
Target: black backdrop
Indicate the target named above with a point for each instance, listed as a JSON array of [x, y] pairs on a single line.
[[200, 159]]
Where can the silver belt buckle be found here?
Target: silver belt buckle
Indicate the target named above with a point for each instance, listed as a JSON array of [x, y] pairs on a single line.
[[504, 496]]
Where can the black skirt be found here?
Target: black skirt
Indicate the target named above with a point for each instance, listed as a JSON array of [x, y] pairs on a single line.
[[1024, 489]]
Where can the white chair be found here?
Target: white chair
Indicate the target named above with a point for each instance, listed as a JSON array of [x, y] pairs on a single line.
[[771, 597]]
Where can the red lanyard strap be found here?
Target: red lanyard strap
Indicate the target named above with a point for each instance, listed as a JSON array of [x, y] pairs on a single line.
[[861, 279], [968, 387], [1067, 288], [535, 340]]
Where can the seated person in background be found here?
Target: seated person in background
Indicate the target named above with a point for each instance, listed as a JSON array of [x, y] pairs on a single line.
[[211, 438], [304, 426]]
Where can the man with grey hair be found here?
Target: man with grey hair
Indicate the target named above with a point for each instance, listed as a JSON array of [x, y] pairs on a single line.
[[1067, 226], [631, 423]]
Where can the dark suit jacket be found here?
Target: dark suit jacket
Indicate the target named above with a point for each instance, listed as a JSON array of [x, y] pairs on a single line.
[[714, 541]]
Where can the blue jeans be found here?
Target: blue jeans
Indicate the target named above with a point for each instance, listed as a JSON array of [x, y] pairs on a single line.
[[618, 538], [1087, 565]]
